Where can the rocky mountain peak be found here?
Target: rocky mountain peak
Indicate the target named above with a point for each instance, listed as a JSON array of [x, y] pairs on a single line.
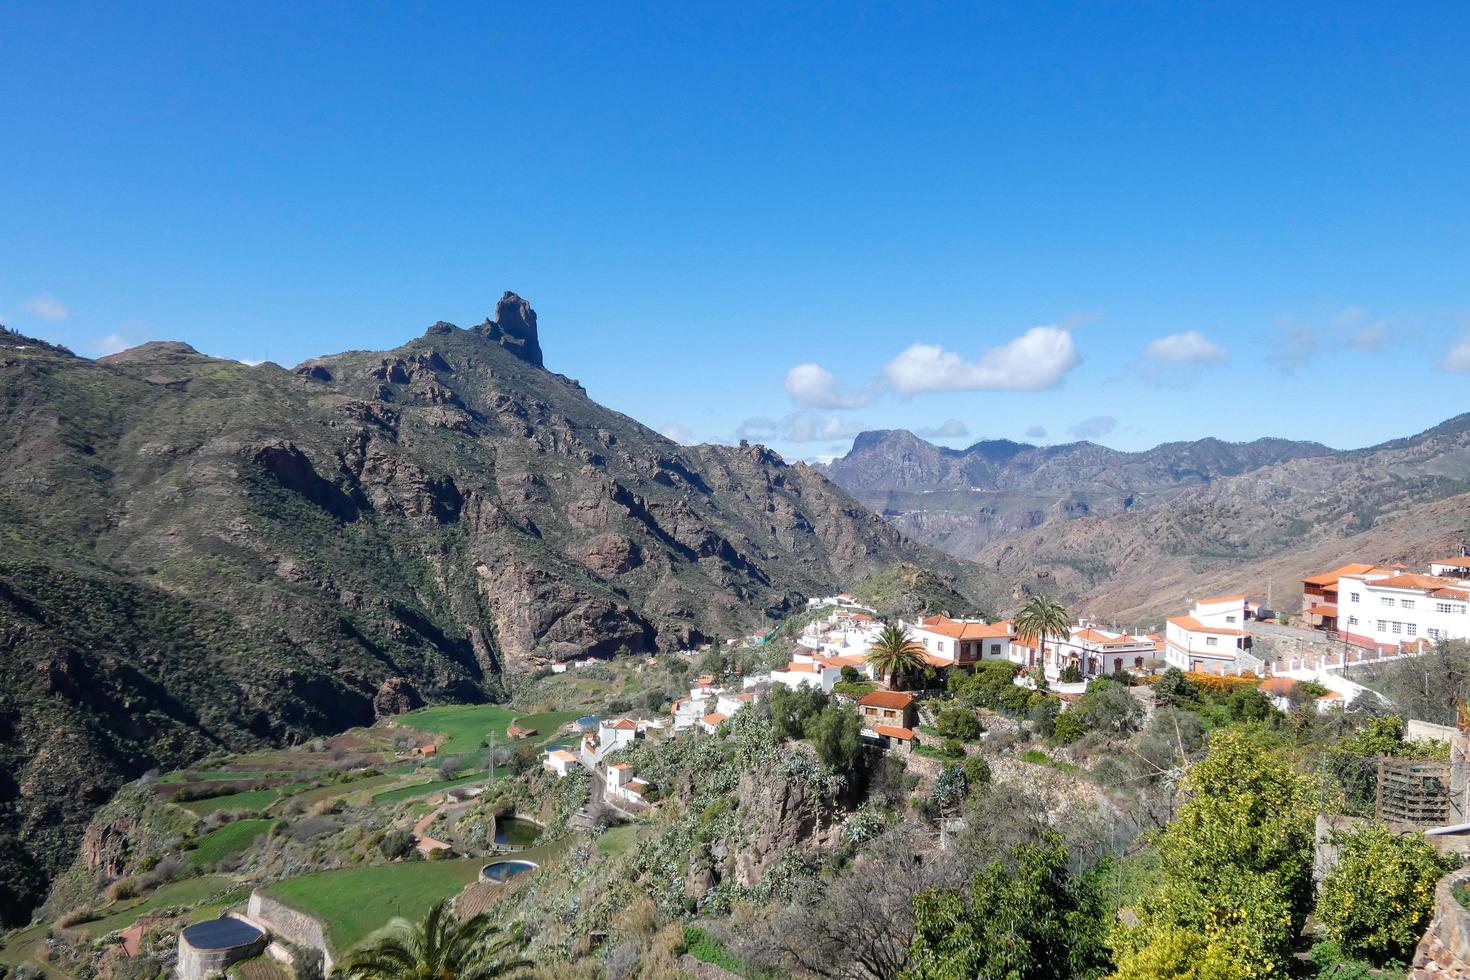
[[514, 328]]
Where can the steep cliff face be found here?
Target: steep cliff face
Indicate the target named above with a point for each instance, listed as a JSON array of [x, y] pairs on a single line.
[[197, 554]]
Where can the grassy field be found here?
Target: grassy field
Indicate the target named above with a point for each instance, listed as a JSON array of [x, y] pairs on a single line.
[[363, 786], [465, 726], [232, 838], [190, 891], [617, 840], [255, 799], [355, 902], [423, 789]]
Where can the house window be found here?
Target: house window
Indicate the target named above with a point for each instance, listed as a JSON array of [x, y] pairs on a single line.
[[1138, 662], [1383, 626], [1229, 619], [1385, 601], [1352, 621], [1211, 641], [889, 713], [1407, 603], [1434, 634], [1411, 628], [1354, 597], [1444, 607], [1397, 628]]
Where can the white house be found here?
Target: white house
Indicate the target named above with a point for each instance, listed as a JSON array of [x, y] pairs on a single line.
[[1096, 652], [559, 761], [613, 734], [728, 703], [1403, 612], [1210, 639], [688, 710], [805, 671], [712, 721], [623, 784], [961, 642]]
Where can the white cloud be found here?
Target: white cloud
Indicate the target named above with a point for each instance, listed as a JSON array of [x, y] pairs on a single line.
[[948, 429], [1037, 359], [679, 433], [1188, 347], [1458, 357], [47, 308], [1094, 428], [1363, 332], [1036, 432], [111, 344], [798, 427], [812, 384]]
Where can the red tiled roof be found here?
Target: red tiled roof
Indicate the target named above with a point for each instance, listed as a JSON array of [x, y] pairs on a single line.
[[713, 718], [624, 725], [892, 731], [1223, 598], [887, 699], [961, 630], [1422, 583], [1330, 578]]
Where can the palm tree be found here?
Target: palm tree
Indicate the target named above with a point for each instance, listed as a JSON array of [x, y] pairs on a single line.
[[893, 652], [1039, 618], [439, 948]]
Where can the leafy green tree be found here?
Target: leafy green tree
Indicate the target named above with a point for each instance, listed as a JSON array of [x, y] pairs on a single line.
[[977, 771], [894, 652], [984, 688], [1173, 688], [1236, 861], [440, 947], [1040, 619], [1107, 706], [1378, 899], [835, 734], [713, 662], [1027, 920], [1067, 728], [958, 723], [1249, 704], [791, 709], [1044, 713]]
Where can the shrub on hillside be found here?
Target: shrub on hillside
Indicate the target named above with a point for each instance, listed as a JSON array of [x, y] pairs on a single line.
[[959, 724], [1378, 899]]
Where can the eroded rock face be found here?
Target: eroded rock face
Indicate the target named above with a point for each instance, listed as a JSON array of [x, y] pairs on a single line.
[[514, 328], [395, 696]]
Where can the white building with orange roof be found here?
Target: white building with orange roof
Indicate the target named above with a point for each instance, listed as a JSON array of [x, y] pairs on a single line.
[[1402, 612], [1319, 593], [961, 642], [559, 761], [1095, 652], [1210, 639], [622, 783], [712, 721]]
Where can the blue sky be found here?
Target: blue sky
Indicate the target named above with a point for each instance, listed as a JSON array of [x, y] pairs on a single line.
[[1134, 223]]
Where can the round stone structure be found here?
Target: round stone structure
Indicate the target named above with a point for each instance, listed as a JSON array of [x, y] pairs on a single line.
[[210, 946], [502, 871]]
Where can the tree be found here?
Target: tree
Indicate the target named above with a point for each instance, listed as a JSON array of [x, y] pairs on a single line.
[[1236, 861], [1174, 689], [894, 652], [1026, 918], [439, 948], [792, 708], [1107, 706], [958, 723], [835, 734], [1378, 899], [1039, 619]]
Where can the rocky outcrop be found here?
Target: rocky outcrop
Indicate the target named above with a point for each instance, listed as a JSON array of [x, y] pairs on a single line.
[[396, 696], [1444, 951], [514, 328]]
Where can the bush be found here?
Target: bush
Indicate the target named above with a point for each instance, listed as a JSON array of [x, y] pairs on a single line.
[[1072, 674], [1068, 728], [977, 772], [1173, 688], [957, 723], [952, 748], [1044, 714], [395, 844], [1378, 899], [852, 675]]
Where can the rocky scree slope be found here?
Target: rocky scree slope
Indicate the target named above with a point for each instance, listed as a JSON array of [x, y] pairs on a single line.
[[198, 555]]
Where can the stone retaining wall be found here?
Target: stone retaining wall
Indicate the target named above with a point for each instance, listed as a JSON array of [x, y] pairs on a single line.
[[1445, 949], [291, 925]]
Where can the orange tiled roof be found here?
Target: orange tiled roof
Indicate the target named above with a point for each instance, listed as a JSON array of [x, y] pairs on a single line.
[[804, 668], [1459, 561], [1223, 598], [892, 731], [1330, 578], [1195, 626], [1277, 685], [960, 630], [713, 718], [887, 699], [624, 725], [1410, 580]]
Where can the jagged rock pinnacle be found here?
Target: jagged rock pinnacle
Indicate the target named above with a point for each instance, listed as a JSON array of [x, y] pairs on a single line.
[[514, 328]]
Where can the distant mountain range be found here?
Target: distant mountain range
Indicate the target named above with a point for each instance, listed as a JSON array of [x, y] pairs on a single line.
[[1135, 535], [199, 555], [961, 500]]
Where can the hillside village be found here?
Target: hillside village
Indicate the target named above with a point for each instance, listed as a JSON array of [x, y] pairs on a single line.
[[807, 744]]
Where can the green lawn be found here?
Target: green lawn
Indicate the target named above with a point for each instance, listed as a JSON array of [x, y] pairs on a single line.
[[189, 891], [20, 947], [255, 799], [232, 838], [617, 840], [177, 776], [423, 789], [364, 786], [355, 902], [465, 726]]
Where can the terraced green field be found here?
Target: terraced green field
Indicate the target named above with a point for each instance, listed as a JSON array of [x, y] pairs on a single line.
[[232, 838]]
